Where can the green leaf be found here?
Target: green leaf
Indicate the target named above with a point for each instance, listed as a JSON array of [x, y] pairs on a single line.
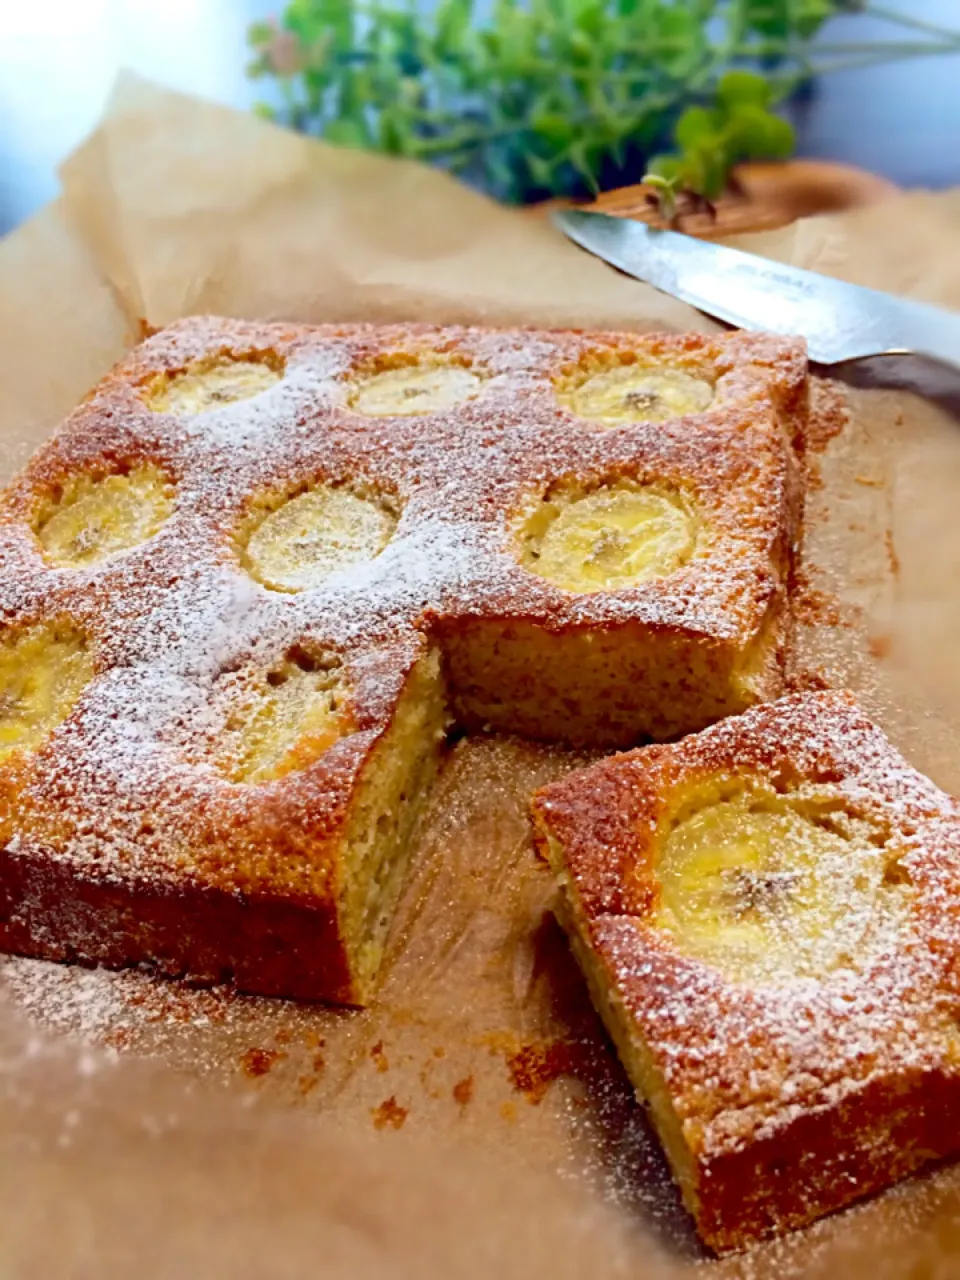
[[710, 176], [746, 130], [665, 191], [581, 44], [316, 81], [352, 96], [667, 168], [693, 170], [591, 19], [754, 133], [453, 19], [695, 127], [346, 133], [579, 156], [260, 33], [541, 171], [394, 131], [781, 139], [811, 15], [313, 19], [554, 128], [738, 87], [681, 41], [767, 17]]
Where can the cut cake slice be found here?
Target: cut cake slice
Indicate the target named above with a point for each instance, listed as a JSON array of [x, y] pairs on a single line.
[[766, 915]]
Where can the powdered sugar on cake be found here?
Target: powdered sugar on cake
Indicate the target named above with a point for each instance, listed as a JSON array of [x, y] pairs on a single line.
[[744, 1059], [168, 617]]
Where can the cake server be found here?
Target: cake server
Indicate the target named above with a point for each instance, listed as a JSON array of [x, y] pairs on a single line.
[[839, 321]]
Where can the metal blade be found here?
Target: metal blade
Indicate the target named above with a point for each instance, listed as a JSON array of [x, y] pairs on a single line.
[[840, 321]]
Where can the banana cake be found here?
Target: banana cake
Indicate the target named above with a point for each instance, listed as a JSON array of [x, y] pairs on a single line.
[[766, 915], [259, 572]]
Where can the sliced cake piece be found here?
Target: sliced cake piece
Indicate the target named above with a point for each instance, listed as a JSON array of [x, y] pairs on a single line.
[[766, 915]]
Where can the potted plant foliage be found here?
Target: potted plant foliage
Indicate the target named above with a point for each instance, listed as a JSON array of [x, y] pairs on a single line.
[[529, 99]]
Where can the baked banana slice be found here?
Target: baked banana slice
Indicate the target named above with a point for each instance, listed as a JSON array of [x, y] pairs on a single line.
[[301, 543], [614, 538], [765, 888], [630, 393], [295, 718], [211, 385], [414, 389], [43, 671], [95, 518]]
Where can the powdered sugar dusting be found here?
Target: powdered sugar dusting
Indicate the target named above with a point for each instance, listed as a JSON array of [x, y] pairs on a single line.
[[86, 1003], [124, 795], [169, 616], [744, 1061]]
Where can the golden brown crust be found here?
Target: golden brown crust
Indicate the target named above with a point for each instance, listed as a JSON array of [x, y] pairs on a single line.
[[121, 817], [796, 1098]]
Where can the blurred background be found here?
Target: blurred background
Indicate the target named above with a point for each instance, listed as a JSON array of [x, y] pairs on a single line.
[[58, 59]]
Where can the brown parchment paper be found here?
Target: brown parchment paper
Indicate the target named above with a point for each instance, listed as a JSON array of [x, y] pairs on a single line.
[[474, 1119]]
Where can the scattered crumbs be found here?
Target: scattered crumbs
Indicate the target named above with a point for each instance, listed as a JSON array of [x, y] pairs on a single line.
[[119, 1038], [143, 330], [892, 557], [880, 646], [813, 607], [814, 480], [164, 1000], [313, 1039], [817, 608], [258, 1062], [310, 1079], [870, 482], [379, 1057], [809, 680], [283, 1036], [429, 1088], [463, 1091], [829, 413], [509, 1111], [500, 1042], [389, 1114], [534, 1067]]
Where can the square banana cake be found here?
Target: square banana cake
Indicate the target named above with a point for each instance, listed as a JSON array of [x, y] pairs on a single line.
[[258, 574], [767, 917]]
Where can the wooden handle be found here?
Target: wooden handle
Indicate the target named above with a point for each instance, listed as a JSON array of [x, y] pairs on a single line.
[[764, 196]]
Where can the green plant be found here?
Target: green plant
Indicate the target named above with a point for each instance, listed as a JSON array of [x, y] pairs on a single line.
[[555, 97]]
